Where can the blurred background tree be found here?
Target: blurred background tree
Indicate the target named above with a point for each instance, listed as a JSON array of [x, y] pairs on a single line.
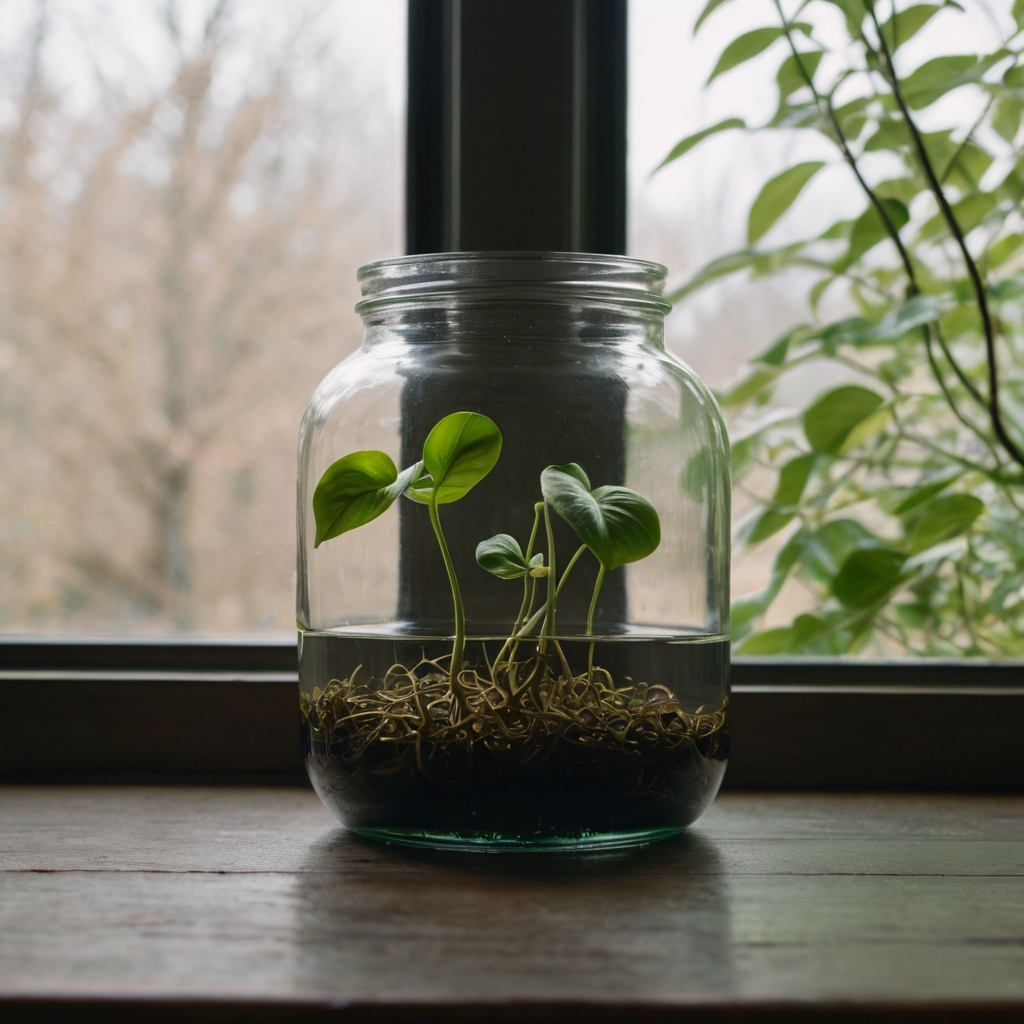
[[899, 494], [180, 225]]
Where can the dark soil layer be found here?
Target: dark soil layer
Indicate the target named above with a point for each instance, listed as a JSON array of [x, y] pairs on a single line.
[[566, 757]]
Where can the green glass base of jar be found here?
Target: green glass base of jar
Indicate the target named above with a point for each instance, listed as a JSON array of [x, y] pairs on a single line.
[[496, 842]]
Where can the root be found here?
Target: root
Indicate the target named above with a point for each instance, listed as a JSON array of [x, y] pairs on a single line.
[[411, 721]]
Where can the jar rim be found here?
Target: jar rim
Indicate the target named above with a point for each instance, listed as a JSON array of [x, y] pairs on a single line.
[[486, 276]]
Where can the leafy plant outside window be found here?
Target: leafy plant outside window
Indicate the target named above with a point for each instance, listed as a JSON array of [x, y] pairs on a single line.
[[901, 493]]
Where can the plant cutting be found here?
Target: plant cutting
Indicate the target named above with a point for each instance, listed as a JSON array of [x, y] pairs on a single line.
[[525, 726]]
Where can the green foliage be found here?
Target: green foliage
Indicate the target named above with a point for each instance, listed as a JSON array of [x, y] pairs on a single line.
[[616, 523], [355, 490], [777, 197], [896, 500], [459, 452], [502, 556]]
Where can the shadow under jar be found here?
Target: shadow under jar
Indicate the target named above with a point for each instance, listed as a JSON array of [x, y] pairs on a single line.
[[513, 560]]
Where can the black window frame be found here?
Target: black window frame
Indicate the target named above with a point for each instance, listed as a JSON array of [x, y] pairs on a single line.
[[153, 710]]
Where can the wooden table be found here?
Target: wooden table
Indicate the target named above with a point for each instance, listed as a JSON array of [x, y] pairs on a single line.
[[250, 904]]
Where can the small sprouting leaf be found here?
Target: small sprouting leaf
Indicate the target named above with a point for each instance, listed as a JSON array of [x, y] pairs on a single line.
[[354, 491], [903, 25], [745, 47], [459, 452], [868, 575], [502, 556], [944, 519], [685, 145], [778, 196], [793, 74], [829, 421], [616, 523]]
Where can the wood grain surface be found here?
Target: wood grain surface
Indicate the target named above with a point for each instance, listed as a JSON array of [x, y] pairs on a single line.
[[228, 903]]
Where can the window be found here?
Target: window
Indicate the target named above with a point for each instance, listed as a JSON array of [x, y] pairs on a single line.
[[187, 191], [92, 431]]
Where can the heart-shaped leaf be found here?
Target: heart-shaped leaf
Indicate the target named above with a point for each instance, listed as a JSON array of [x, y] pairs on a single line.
[[355, 490], [616, 523], [459, 452], [502, 556]]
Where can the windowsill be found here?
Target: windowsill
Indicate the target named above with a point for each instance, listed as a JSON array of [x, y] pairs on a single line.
[[245, 903]]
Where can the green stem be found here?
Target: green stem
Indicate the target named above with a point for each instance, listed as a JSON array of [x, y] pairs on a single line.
[[459, 647], [549, 618], [590, 620], [526, 575]]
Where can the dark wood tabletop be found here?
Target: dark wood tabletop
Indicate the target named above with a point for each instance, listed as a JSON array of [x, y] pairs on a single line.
[[222, 903]]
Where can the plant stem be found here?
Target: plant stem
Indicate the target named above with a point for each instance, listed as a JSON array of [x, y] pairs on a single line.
[[549, 619], [590, 621], [459, 646], [980, 294], [537, 509]]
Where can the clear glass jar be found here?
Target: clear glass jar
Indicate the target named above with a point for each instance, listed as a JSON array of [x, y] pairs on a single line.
[[443, 701]]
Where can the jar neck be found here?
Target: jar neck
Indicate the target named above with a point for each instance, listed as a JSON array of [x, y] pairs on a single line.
[[504, 321]]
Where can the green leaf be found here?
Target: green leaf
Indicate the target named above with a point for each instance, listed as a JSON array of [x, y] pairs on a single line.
[[868, 575], [969, 213], [770, 641], [502, 556], [777, 196], [745, 47], [904, 25], [459, 452], [616, 523], [936, 77], [854, 12], [721, 267], [1006, 117], [830, 545], [750, 607], [355, 490], [709, 8], [1002, 250], [793, 479], [790, 76], [829, 421], [685, 145], [900, 500], [944, 519], [751, 385], [869, 229]]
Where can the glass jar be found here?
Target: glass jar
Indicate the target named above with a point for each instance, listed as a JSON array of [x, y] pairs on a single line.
[[513, 560]]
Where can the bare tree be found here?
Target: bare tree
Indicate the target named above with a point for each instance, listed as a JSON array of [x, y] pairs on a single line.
[[176, 271]]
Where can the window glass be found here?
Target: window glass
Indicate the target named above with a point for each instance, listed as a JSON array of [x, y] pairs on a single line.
[[186, 191], [917, 550]]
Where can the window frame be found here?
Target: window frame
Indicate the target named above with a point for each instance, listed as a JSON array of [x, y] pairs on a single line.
[[151, 710]]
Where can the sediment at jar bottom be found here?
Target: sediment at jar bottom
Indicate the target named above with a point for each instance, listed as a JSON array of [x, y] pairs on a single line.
[[532, 751]]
